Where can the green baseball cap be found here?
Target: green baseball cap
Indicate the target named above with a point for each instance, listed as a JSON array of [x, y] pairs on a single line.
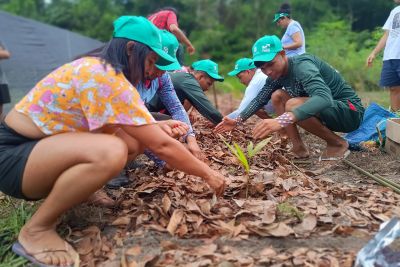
[[266, 48], [209, 67], [277, 16], [141, 30], [242, 65], [170, 46]]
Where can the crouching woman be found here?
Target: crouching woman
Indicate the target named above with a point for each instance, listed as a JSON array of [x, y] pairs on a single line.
[[53, 144]]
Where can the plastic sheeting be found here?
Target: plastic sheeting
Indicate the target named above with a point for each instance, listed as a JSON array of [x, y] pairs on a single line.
[[36, 50]]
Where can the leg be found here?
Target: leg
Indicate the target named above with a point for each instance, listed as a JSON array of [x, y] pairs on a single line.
[[395, 98], [279, 99], [336, 146], [262, 114], [65, 169]]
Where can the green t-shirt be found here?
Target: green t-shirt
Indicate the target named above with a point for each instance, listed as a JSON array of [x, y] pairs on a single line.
[[308, 76], [187, 88]]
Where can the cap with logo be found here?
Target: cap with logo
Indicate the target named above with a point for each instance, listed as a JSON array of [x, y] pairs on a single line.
[[266, 48], [140, 29], [209, 67], [277, 16], [170, 46], [242, 65]]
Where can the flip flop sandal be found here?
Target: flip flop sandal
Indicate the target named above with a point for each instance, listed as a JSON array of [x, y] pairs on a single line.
[[18, 249], [345, 155]]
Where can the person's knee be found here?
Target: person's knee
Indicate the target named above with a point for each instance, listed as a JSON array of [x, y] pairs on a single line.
[[278, 97], [111, 154], [293, 103]]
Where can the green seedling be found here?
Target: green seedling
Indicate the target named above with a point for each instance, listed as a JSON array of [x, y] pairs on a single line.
[[252, 150]]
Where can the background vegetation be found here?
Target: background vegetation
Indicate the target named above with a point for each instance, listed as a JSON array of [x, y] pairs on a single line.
[[342, 32]]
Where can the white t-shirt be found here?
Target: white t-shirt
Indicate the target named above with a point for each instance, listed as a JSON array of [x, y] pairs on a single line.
[[252, 90], [392, 48], [287, 39]]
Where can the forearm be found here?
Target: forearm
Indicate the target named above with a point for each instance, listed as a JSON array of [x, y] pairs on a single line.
[[180, 35], [168, 149], [173, 152], [174, 107], [311, 107], [294, 45], [381, 44]]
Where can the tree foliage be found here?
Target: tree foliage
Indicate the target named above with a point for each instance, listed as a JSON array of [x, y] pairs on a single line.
[[339, 31]]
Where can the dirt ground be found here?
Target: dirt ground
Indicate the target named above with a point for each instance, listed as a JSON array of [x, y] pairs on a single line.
[[298, 213]]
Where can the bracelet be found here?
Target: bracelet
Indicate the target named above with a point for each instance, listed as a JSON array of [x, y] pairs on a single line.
[[239, 121], [285, 119]]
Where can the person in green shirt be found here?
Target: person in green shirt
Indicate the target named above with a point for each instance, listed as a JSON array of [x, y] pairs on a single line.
[[190, 87], [305, 91]]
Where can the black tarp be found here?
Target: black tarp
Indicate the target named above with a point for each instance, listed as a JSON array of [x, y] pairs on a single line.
[[36, 49]]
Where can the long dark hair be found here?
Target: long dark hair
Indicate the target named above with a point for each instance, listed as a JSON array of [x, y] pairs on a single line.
[[285, 8], [115, 53]]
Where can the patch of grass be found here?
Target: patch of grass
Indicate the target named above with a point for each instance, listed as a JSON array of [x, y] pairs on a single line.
[[13, 216], [287, 209], [380, 97]]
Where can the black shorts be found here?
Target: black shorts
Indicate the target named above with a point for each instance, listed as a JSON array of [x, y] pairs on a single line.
[[14, 152], [4, 94]]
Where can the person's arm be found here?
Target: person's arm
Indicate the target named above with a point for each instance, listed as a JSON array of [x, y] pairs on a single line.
[[252, 90], [199, 100], [260, 100], [378, 48], [172, 151], [297, 41], [320, 95], [182, 38], [171, 102], [4, 54]]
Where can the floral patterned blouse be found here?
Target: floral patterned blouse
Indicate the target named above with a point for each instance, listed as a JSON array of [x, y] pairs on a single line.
[[81, 96]]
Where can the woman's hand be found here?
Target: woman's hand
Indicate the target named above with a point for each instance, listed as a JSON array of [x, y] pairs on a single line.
[[370, 59], [174, 128], [217, 182]]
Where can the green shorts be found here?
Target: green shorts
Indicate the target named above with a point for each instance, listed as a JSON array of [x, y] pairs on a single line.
[[344, 116]]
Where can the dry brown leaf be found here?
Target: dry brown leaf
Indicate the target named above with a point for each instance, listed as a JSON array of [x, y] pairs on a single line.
[[133, 251], [175, 220], [121, 221], [166, 203], [307, 225]]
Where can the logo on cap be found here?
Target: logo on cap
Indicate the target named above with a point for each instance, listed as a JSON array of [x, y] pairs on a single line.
[[236, 66], [165, 49], [266, 48]]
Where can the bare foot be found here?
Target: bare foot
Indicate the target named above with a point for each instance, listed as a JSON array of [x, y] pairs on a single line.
[[337, 150], [46, 246], [101, 199], [300, 152]]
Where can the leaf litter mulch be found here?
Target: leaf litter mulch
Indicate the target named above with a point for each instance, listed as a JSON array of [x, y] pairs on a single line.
[[303, 214]]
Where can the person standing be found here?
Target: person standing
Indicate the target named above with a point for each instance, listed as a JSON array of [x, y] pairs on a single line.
[[293, 40], [390, 74], [167, 19], [4, 92]]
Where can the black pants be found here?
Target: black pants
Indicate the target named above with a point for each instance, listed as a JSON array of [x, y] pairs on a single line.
[[4, 94], [14, 152]]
